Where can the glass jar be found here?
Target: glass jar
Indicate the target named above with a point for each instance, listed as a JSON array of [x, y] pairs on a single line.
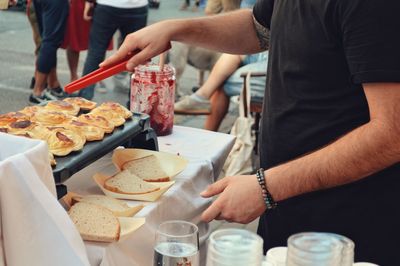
[[153, 93]]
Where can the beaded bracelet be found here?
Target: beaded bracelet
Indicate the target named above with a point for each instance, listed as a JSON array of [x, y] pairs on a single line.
[[269, 201]]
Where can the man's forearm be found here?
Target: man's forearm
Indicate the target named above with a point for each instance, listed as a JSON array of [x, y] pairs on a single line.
[[232, 33], [365, 150]]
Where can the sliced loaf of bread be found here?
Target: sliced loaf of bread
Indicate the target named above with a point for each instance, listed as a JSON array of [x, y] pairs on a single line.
[[128, 183], [94, 222], [147, 168]]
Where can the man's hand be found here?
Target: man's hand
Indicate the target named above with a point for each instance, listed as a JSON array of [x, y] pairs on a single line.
[[240, 199], [144, 44], [87, 12]]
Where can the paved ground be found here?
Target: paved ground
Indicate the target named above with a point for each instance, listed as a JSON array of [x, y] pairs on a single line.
[[17, 66]]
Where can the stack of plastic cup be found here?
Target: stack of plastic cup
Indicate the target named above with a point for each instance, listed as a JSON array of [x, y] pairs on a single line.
[[277, 256], [347, 250], [234, 247], [314, 249]]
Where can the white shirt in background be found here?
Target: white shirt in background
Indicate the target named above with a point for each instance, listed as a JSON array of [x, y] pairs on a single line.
[[123, 3]]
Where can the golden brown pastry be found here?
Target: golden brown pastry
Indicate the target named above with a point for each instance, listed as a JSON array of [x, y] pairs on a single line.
[[21, 126], [62, 141], [116, 107], [3, 129], [31, 110], [7, 119], [63, 106], [50, 118], [98, 121], [25, 127], [90, 132], [52, 160], [81, 102], [111, 115]]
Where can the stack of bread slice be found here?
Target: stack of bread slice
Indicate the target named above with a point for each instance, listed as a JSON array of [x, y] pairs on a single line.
[[95, 223], [128, 183], [96, 216], [147, 168]]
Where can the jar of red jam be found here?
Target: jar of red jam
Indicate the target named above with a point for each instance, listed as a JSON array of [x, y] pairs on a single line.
[[153, 93]]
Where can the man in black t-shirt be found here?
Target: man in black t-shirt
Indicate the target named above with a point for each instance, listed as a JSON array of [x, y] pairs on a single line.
[[330, 124]]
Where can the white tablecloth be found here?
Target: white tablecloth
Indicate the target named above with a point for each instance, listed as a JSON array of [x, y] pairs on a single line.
[[206, 152], [34, 229]]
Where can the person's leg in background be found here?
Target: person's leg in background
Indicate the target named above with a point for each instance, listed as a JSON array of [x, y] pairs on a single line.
[[229, 5], [101, 32], [52, 16], [213, 7], [198, 103], [219, 108], [31, 14], [233, 86], [73, 60]]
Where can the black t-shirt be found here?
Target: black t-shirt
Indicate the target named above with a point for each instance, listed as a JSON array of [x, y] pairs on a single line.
[[321, 51]]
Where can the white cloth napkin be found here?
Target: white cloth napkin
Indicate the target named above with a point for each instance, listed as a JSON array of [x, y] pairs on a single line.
[[35, 229]]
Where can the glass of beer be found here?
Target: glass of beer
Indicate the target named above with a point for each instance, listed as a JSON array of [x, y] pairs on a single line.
[[176, 244]]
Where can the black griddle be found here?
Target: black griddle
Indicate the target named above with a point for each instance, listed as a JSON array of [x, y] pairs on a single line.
[[135, 133]]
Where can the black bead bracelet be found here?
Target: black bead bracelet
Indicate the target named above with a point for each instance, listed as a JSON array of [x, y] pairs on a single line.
[[269, 201]]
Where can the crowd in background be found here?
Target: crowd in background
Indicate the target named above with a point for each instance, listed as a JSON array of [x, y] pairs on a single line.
[[80, 25]]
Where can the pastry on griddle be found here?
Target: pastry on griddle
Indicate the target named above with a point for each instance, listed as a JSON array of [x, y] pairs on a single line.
[[98, 121], [90, 132], [50, 118], [52, 160], [31, 110], [3, 129], [21, 126], [83, 103], [33, 129], [63, 106], [116, 107], [6, 119], [110, 115], [28, 134], [62, 141]]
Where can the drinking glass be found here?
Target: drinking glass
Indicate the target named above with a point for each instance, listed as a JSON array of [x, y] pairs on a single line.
[[234, 247], [176, 244]]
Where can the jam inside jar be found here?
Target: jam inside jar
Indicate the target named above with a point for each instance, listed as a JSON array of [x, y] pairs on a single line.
[[153, 93]]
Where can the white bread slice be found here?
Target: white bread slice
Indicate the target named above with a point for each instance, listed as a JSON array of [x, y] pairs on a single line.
[[118, 207], [127, 183], [147, 168], [95, 223]]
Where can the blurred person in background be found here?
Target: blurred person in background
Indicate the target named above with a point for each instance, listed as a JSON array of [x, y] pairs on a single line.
[[76, 38], [52, 17], [127, 16], [224, 81]]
